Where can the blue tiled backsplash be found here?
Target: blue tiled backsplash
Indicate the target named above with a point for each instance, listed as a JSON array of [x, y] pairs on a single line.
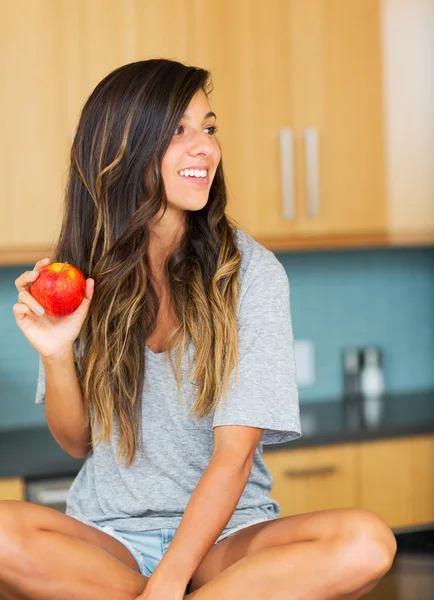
[[338, 299]]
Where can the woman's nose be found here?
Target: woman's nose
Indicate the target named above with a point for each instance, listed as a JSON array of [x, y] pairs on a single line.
[[202, 139]]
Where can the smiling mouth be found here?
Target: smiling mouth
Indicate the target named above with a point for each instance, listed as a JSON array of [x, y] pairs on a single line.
[[196, 180]]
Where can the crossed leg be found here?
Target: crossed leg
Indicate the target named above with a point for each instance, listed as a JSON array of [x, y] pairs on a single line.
[[340, 553], [46, 555]]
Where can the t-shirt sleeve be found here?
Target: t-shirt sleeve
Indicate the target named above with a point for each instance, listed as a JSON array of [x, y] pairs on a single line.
[[267, 392], [40, 386]]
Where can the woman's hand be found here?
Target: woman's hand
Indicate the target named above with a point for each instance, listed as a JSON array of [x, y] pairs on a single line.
[[163, 590], [50, 336], [161, 595]]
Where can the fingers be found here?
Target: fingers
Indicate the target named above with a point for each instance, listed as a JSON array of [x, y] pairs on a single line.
[[22, 283], [90, 285], [41, 263], [27, 298], [21, 311]]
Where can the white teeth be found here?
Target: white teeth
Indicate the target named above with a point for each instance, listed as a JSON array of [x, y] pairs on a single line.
[[194, 173]]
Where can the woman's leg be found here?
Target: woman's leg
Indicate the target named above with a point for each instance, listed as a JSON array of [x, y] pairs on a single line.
[[46, 555], [319, 555], [305, 570]]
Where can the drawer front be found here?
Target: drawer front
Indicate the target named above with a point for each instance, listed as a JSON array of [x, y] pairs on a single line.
[[397, 480], [313, 479]]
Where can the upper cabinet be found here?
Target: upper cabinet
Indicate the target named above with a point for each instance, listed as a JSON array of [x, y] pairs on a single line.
[[341, 97], [324, 111], [33, 101], [318, 166], [408, 78]]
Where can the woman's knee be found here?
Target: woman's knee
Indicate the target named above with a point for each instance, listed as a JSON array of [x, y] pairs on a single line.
[[369, 540], [13, 529]]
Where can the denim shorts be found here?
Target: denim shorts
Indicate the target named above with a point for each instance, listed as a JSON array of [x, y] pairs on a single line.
[[148, 547]]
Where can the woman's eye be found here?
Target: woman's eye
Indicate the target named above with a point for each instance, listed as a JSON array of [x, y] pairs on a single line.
[[214, 129]]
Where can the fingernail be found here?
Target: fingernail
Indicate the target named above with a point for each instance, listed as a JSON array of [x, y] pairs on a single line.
[[40, 310], [44, 260], [32, 272]]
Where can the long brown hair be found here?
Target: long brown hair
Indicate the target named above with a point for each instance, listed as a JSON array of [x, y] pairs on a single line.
[[124, 129]]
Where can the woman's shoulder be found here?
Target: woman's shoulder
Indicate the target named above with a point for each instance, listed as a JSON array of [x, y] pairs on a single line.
[[257, 261]]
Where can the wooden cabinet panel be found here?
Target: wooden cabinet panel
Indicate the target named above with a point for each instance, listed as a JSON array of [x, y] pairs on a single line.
[[397, 479], [286, 63], [314, 478], [393, 478], [12, 489], [57, 52], [408, 56], [336, 88], [32, 119]]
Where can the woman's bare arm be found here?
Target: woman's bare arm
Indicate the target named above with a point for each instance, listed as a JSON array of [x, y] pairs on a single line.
[[64, 408]]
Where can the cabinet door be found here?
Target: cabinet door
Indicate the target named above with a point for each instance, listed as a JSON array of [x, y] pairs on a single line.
[[337, 116], [408, 34], [12, 489], [397, 479], [32, 118], [285, 63], [314, 478]]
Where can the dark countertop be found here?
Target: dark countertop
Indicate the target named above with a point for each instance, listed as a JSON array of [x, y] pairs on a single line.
[[32, 452], [396, 415]]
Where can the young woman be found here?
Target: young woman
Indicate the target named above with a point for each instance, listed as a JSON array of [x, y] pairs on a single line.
[[174, 371]]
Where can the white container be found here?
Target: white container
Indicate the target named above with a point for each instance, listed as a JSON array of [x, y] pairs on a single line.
[[372, 387]]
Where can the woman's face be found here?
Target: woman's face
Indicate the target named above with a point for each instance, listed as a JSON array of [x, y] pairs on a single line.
[[193, 146]]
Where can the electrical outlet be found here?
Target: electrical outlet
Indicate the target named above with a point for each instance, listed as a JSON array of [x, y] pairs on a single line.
[[305, 362]]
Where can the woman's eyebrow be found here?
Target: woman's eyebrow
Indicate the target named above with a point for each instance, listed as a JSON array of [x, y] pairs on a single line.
[[210, 114]]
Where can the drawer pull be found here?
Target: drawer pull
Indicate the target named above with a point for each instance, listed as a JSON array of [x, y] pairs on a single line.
[[325, 470], [287, 172], [312, 171]]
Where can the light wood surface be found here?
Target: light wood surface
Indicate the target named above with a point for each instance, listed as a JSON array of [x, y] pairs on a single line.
[[313, 478], [334, 70], [12, 489], [338, 66], [32, 119], [408, 57], [397, 479]]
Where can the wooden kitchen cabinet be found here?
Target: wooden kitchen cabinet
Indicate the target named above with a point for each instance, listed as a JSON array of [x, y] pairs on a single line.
[[319, 68], [331, 86], [300, 65], [76, 44], [408, 59], [353, 72], [12, 489], [32, 122], [313, 478], [393, 478], [397, 479], [57, 53]]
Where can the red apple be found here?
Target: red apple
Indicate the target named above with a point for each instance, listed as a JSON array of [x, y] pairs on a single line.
[[59, 288]]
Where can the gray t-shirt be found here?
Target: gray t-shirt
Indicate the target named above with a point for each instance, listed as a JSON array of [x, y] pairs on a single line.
[[155, 491]]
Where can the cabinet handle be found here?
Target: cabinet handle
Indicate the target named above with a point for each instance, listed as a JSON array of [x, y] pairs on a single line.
[[324, 470], [312, 171], [287, 171]]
